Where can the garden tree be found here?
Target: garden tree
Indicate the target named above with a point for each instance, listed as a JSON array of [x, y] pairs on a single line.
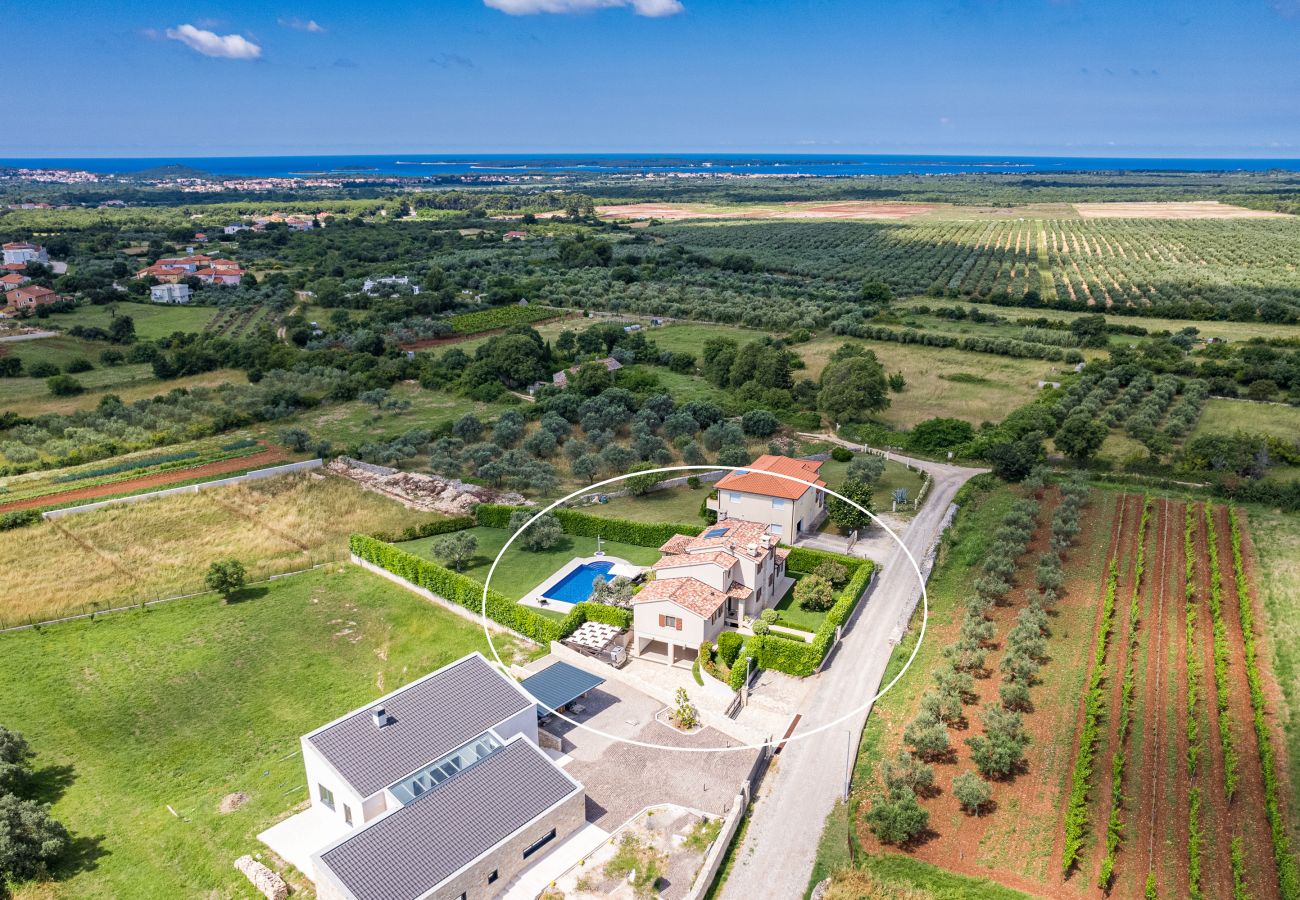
[[374, 397], [972, 792], [226, 577], [615, 592], [897, 818], [693, 454], [468, 428], [509, 428], [845, 515], [1012, 460], [684, 710], [15, 760], [903, 771], [592, 378], [1000, 750], [640, 485], [30, 839], [733, 455], [927, 736], [975, 627], [832, 571], [759, 423], [456, 549], [946, 707], [814, 593], [541, 443], [295, 439], [586, 467], [1090, 331], [866, 468], [965, 656], [721, 434], [544, 534], [1080, 436], [718, 354], [1018, 665], [852, 389], [121, 329], [517, 357]]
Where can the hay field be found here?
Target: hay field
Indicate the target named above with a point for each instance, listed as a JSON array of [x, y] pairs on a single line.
[[162, 547], [1195, 209], [848, 209]]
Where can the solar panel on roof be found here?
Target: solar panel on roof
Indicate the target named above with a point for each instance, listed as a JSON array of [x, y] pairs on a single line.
[[716, 532]]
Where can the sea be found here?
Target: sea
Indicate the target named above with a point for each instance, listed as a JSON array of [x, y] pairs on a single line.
[[415, 165]]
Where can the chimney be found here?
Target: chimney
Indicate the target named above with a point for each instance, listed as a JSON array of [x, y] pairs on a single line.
[[379, 716], [767, 541], [753, 549]]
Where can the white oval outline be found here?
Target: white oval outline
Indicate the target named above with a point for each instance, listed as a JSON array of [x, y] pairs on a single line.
[[773, 742]]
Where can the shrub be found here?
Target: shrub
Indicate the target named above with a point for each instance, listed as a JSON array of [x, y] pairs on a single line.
[[80, 364], [759, 423], [18, 518], [833, 571], [642, 534], [30, 839], [972, 792], [15, 761], [42, 369], [905, 771], [729, 647], [897, 818], [226, 577], [927, 736], [814, 593], [841, 454], [64, 386]]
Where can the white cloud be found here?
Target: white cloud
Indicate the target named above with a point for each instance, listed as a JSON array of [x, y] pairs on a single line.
[[650, 8], [311, 26], [223, 46]]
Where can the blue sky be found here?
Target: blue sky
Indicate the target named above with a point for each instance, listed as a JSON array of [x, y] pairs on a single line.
[[242, 77]]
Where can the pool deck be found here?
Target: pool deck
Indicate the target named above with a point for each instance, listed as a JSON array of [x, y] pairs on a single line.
[[536, 595]]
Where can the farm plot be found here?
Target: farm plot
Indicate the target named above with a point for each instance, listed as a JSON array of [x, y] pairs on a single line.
[[1157, 783], [152, 320], [160, 547], [1119, 264]]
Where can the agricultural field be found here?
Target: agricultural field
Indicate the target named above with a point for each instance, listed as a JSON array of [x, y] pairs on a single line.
[[1156, 777], [1227, 416], [31, 396], [178, 707], [155, 548], [1121, 264], [943, 381], [152, 320]]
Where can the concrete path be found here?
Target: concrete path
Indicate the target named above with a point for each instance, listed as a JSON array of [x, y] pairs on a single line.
[[776, 857]]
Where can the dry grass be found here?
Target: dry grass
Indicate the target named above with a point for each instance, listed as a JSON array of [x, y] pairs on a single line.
[[855, 884], [849, 209], [161, 547], [1007, 383]]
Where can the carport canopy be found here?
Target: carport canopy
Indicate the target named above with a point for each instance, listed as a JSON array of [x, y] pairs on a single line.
[[558, 685]]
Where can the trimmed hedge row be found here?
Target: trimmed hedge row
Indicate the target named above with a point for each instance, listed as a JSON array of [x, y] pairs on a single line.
[[623, 531], [467, 592], [428, 529], [1288, 876], [805, 561]]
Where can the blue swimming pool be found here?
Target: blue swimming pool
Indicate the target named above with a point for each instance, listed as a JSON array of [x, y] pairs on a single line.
[[576, 586]]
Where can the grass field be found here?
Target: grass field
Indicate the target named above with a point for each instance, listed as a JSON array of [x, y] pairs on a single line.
[[1227, 416], [161, 547], [31, 396], [674, 505], [191, 701], [152, 320], [1228, 331], [520, 571], [896, 476], [1006, 383], [1277, 543]]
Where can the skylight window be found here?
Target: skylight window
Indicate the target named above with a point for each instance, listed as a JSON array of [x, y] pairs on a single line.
[[715, 532]]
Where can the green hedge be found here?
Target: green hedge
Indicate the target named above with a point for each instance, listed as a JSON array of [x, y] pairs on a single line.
[[428, 529], [19, 518], [623, 531], [467, 592], [805, 561]]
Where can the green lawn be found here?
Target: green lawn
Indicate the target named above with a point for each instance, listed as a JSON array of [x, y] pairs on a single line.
[[794, 617], [152, 320], [896, 476], [1226, 416], [520, 571], [186, 703], [679, 505]]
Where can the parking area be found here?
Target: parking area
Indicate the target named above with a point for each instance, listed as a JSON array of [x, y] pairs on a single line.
[[621, 779]]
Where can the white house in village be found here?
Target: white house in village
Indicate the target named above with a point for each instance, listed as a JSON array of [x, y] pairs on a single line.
[[169, 293], [20, 253], [731, 572], [436, 790], [788, 508]]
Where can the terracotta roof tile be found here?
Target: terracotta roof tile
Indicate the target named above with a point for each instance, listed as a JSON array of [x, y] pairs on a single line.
[[753, 479], [717, 558], [690, 594]]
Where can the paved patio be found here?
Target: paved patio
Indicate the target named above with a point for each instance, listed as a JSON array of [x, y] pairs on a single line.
[[299, 836]]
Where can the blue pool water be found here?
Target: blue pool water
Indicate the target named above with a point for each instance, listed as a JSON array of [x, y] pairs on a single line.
[[576, 586]]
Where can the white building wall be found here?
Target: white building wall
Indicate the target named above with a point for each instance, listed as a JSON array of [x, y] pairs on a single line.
[[319, 772]]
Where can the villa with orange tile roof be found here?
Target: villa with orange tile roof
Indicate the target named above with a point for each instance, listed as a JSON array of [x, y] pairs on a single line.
[[786, 506], [175, 269], [728, 574], [30, 296]]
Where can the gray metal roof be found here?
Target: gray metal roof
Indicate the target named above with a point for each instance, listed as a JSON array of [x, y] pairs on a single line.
[[407, 853], [560, 683], [426, 719]]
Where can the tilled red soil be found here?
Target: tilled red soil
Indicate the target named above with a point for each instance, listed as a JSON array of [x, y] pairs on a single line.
[[267, 457]]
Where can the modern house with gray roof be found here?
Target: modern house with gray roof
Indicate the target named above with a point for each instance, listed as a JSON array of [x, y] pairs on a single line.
[[442, 788]]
